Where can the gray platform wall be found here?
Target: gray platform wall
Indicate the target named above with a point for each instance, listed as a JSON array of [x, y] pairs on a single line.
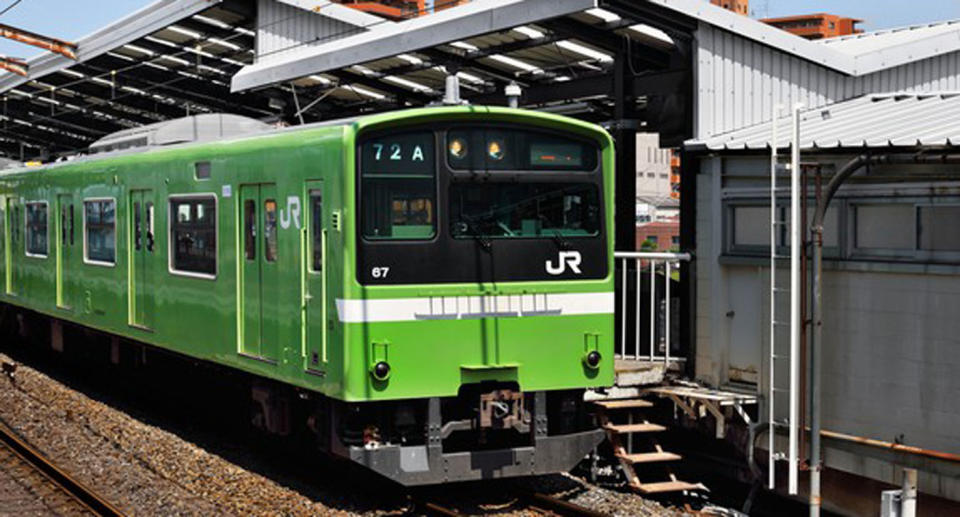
[[891, 367]]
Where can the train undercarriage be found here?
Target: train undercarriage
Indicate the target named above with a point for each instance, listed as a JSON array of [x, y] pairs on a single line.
[[489, 430]]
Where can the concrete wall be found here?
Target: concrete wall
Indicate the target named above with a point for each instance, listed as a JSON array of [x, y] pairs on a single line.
[[891, 364]]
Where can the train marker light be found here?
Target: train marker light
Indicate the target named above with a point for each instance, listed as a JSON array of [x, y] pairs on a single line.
[[381, 371], [592, 359], [495, 150], [458, 148]]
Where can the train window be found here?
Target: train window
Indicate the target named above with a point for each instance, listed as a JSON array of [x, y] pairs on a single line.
[[316, 200], [193, 235], [398, 186], [149, 227], [270, 230], [100, 231], [250, 229], [37, 229], [521, 210], [202, 170]]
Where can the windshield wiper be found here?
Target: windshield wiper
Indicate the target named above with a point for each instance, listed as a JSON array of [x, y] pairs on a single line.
[[562, 242]]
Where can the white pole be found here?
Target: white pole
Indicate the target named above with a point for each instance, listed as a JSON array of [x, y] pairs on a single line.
[[653, 304], [771, 393], [795, 225], [623, 311], [666, 332], [636, 340]]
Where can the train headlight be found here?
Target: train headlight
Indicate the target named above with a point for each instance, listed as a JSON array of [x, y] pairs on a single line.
[[495, 150], [592, 359], [380, 371], [458, 148]]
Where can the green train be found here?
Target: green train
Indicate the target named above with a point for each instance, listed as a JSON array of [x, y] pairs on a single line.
[[436, 284]]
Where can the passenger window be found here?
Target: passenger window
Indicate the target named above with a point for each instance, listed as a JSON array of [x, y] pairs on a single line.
[[193, 235], [316, 200], [101, 231], [250, 229], [137, 227], [270, 230], [37, 229], [149, 227]]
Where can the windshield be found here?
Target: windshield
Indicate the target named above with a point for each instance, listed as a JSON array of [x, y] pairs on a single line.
[[517, 210]]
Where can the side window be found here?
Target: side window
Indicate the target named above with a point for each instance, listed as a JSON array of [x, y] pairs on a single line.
[[316, 200], [100, 230], [193, 235], [250, 229], [270, 230], [37, 229]]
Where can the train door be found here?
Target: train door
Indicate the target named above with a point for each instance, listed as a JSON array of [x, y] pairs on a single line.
[[13, 248], [260, 316], [66, 240], [316, 284], [143, 256]]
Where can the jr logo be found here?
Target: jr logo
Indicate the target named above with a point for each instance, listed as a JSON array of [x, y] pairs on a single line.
[[292, 211], [566, 258]]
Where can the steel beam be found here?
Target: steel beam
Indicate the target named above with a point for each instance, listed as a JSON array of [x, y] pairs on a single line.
[[15, 65], [473, 19], [57, 46]]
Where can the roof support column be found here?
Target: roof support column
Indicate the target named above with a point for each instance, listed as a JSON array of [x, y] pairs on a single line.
[[625, 134]]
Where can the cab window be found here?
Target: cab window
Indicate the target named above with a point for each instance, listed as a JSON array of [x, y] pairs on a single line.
[[398, 186]]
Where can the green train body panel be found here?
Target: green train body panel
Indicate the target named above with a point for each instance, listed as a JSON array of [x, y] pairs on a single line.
[[204, 317]]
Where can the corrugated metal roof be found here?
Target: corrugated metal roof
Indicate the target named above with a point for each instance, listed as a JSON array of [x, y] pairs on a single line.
[[870, 121], [878, 40]]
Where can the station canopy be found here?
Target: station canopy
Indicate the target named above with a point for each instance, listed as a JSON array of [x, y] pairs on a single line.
[[619, 61]]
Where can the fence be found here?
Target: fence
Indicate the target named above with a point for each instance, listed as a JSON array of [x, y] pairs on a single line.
[[648, 306]]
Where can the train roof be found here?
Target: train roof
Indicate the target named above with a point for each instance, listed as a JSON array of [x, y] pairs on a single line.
[[214, 128]]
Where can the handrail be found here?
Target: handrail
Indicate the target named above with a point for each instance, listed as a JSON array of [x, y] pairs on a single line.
[[655, 263], [653, 255]]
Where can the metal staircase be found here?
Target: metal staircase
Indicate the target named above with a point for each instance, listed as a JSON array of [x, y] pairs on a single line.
[[784, 349]]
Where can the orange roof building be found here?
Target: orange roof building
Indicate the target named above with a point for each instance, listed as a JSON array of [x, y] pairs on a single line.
[[737, 6], [816, 26]]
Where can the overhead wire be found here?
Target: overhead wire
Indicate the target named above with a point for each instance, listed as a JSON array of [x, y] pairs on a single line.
[[11, 6]]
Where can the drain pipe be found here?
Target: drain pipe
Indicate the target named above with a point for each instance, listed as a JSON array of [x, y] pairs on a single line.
[[836, 181]]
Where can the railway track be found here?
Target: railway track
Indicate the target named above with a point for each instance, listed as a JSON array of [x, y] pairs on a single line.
[[543, 504], [57, 490]]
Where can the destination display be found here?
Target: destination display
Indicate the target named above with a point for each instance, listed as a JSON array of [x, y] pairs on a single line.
[[484, 149], [400, 153]]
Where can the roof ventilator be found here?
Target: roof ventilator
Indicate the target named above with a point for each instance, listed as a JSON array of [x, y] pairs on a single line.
[[196, 128]]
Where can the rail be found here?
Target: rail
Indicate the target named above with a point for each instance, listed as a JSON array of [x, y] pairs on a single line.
[[648, 333], [90, 501]]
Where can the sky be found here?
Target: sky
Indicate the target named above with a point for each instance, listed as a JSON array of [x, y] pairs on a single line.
[[73, 19]]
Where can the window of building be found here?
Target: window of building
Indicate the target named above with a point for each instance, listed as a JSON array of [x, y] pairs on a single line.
[[675, 240], [100, 231], [36, 230], [751, 226], [884, 226], [937, 228], [193, 235], [652, 238]]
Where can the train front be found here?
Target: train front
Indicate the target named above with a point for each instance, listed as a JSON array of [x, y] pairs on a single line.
[[482, 303]]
